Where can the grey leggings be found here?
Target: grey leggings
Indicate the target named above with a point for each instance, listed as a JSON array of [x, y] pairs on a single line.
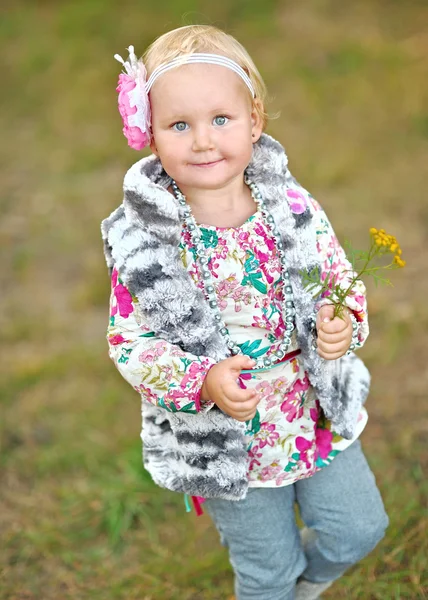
[[341, 506]]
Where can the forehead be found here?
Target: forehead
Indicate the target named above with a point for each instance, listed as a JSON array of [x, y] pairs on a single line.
[[198, 87]]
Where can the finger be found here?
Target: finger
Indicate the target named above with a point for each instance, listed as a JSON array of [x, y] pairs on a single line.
[[334, 328], [245, 417], [329, 349], [330, 356], [334, 338], [325, 314], [238, 412], [240, 362], [235, 394]]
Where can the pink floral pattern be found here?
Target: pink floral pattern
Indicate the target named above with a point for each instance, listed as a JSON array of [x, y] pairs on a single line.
[[289, 438], [297, 200], [122, 298], [267, 435]]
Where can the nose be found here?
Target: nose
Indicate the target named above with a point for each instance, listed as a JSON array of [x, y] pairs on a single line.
[[202, 139]]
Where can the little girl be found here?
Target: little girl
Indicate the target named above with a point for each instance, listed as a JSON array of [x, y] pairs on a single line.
[[252, 398]]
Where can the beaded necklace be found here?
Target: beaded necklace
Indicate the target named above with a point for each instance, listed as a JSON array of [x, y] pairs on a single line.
[[201, 257]]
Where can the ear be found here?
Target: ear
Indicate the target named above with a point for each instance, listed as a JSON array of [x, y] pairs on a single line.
[[153, 147], [256, 120], [153, 144]]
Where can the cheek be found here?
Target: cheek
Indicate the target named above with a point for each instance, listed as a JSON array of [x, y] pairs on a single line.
[[167, 147], [238, 141]]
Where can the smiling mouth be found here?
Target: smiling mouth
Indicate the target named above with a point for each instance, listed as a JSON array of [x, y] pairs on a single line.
[[209, 164]]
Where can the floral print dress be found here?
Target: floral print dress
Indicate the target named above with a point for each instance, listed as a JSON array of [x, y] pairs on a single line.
[[289, 438]]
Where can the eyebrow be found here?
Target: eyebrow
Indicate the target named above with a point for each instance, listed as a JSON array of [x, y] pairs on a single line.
[[181, 117]]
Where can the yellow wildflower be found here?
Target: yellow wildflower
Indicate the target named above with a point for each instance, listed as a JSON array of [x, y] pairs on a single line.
[[386, 243], [382, 243], [399, 262]]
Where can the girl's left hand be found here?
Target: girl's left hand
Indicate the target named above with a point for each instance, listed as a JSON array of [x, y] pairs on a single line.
[[334, 334]]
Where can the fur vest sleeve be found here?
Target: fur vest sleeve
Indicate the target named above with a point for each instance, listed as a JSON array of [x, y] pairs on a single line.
[[205, 454]]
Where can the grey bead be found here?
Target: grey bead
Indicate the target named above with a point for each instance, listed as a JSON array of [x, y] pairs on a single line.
[[285, 343]]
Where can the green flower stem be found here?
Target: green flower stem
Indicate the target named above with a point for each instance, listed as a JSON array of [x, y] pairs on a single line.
[[339, 306]]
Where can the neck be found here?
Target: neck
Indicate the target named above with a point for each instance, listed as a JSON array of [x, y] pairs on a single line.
[[228, 206]]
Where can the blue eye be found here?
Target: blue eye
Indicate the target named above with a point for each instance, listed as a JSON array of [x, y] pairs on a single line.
[[220, 120], [180, 126]]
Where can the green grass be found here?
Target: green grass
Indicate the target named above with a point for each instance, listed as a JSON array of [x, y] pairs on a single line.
[[79, 517]]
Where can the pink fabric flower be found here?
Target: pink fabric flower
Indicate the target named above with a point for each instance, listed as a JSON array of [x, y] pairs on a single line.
[[267, 435], [303, 445], [122, 298], [297, 200], [292, 406], [125, 85], [124, 301], [148, 356], [292, 409], [147, 393], [138, 136], [195, 374], [279, 384], [221, 249], [270, 243], [314, 414], [264, 388], [323, 439], [271, 401], [241, 378], [254, 454], [178, 397], [270, 472], [114, 340]]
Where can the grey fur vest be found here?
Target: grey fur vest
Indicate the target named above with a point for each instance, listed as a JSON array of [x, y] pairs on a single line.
[[205, 454]]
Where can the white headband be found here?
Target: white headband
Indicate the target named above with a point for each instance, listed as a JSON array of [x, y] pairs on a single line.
[[212, 59], [134, 88]]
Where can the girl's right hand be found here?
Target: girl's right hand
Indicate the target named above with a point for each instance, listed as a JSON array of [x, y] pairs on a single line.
[[221, 387]]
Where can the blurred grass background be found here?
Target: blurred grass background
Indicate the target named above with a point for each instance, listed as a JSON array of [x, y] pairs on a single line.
[[79, 518]]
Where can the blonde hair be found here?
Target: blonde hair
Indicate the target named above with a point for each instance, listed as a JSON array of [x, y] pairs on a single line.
[[206, 38]]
